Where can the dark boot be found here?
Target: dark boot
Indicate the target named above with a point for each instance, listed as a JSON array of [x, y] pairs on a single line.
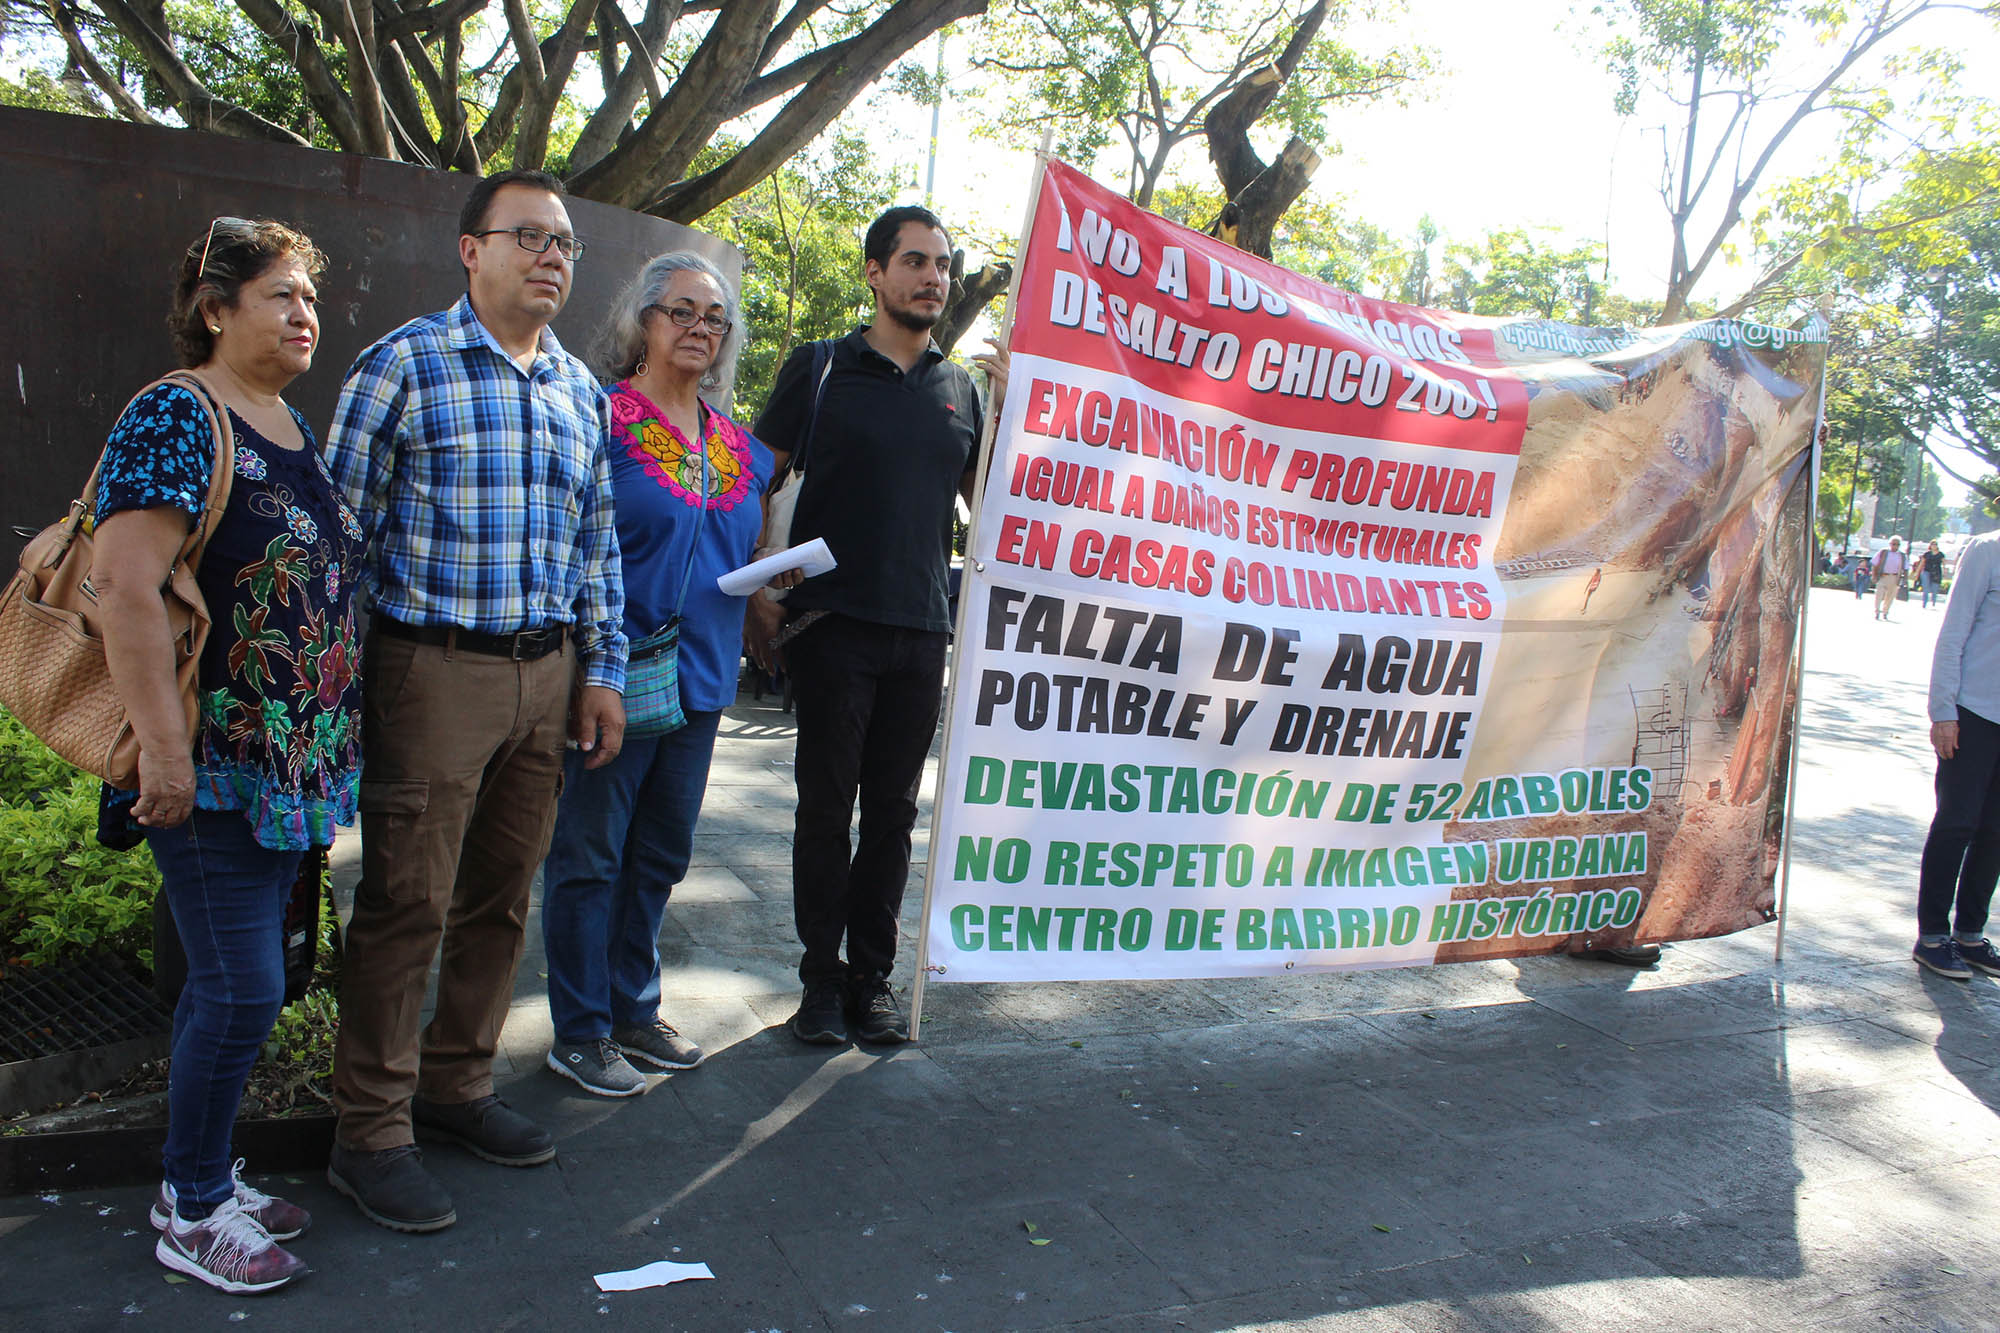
[[392, 1188]]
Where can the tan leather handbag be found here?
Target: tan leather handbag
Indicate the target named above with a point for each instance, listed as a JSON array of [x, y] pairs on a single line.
[[53, 676]]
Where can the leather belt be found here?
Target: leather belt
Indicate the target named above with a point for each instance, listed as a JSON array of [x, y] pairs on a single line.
[[521, 646]]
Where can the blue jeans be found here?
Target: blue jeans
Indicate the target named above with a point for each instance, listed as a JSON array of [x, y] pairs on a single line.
[[228, 897], [623, 836], [1930, 587]]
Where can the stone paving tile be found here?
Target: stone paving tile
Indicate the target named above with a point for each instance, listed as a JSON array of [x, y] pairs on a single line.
[[1910, 1125], [1063, 1012], [1638, 1017], [1849, 1054], [980, 1273], [1311, 1228]]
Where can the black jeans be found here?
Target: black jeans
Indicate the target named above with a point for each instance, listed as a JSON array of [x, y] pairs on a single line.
[[867, 699], [1962, 854]]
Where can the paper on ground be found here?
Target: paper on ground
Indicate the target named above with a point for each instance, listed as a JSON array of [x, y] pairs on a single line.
[[813, 558], [652, 1275]]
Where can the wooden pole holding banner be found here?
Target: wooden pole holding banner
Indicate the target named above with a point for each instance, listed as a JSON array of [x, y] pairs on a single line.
[[1799, 659], [989, 434]]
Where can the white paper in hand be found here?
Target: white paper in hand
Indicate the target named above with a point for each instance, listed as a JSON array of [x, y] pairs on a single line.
[[652, 1275], [811, 558]]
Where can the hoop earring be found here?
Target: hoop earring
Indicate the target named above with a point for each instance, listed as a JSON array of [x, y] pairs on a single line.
[[640, 369]]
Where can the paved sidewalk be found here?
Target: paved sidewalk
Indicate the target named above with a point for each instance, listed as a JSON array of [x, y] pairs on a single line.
[[1724, 1143]]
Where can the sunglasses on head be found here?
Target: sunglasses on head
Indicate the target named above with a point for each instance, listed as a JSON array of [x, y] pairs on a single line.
[[202, 271]]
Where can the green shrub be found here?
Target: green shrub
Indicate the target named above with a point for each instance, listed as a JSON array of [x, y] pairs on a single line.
[[28, 768], [63, 894]]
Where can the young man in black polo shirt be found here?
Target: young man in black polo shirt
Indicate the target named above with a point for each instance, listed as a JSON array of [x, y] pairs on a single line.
[[896, 436]]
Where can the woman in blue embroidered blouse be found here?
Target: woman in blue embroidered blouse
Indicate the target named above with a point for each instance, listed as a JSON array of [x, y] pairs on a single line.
[[624, 832], [229, 812]]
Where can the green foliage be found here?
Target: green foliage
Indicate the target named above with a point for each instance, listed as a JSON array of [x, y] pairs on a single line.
[[38, 92], [62, 894], [1517, 271], [1137, 79], [800, 232], [29, 770]]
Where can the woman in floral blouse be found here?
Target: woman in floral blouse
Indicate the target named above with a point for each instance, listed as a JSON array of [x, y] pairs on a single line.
[[275, 758], [624, 831]]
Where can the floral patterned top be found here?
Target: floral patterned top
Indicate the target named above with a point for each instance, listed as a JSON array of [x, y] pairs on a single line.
[[656, 480], [280, 730]]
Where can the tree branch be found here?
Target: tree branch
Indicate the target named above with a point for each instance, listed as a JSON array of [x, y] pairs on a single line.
[[323, 90], [198, 106], [814, 107], [531, 149], [680, 123], [639, 78], [128, 106]]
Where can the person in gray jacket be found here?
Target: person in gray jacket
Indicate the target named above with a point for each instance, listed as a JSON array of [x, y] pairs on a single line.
[[1962, 855]]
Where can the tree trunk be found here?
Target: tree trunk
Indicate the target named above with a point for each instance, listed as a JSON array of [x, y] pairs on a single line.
[[1259, 193], [969, 295], [811, 110]]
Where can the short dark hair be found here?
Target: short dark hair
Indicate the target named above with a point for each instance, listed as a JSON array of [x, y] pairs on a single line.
[[228, 253], [879, 245], [479, 204]]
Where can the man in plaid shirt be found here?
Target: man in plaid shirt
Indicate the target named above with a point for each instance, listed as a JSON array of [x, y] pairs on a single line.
[[472, 447]]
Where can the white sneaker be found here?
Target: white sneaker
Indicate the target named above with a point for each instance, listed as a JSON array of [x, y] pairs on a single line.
[[280, 1220], [228, 1251]]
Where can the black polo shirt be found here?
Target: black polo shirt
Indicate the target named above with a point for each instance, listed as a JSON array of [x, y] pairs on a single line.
[[881, 472]]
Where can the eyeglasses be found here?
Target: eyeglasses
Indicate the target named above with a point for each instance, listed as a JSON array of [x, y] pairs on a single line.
[[202, 271], [536, 241], [688, 316]]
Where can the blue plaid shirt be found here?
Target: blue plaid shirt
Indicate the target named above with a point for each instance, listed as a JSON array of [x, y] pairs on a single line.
[[484, 491]]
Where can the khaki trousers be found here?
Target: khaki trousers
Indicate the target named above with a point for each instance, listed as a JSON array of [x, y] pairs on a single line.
[[462, 763]]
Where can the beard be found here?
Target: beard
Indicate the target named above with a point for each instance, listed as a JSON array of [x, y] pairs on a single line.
[[912, 318]]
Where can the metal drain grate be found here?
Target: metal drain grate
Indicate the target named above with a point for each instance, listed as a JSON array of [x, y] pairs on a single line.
[[55, 1010]]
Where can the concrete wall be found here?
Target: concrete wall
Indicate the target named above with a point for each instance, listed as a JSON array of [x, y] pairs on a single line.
[[100, 210]]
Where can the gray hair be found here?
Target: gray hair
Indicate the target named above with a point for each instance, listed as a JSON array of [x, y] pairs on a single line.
[[622, 341]]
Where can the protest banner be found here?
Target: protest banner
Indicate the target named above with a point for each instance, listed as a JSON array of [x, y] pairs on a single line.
[[1307, 631]]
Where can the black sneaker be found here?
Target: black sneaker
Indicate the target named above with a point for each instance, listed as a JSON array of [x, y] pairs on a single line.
[[1981, 955], [819, 1021], [658, 1044], [486, 1127], [1944, 959], [392, 1188], [871, 1004], [596, 1066]]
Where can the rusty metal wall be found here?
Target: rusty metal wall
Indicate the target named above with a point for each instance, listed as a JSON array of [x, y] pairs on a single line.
[[99, 212]]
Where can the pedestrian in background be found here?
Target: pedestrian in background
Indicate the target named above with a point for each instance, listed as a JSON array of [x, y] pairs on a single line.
[[1930, 573], [1961, 859], [473, 447], [1889, 568], [690, 499], [275, 759]]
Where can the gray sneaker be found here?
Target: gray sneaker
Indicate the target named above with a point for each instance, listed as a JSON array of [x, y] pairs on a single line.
[[658, 1044], [597, 1067]]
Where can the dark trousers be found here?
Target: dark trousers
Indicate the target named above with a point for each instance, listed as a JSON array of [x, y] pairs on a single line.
[[867, 699], [1962, 855]]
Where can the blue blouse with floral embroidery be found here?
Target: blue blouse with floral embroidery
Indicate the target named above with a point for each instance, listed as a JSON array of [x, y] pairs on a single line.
[[280, 730]]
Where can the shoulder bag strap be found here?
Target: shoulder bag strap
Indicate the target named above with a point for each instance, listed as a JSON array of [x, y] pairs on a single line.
[[221, 473], [701, 509], [822, 368], [221, 476]]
